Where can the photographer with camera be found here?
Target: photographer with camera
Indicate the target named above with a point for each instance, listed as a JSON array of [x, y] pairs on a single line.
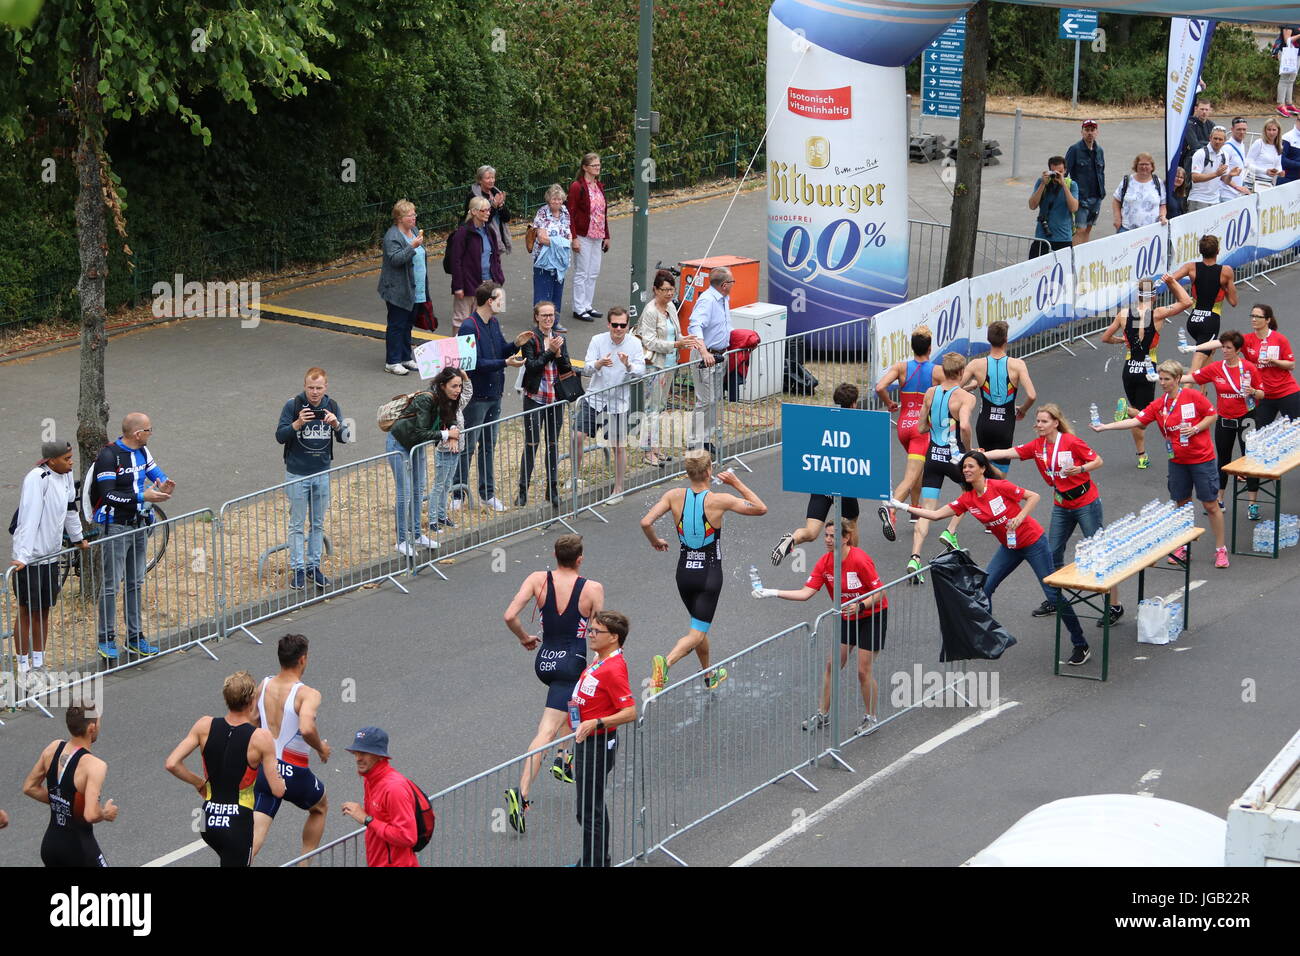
[[1056, 197]]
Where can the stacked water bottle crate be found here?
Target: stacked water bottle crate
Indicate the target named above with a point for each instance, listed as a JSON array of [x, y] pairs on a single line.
[[1289, 536], [1276, 441], [1124, 542]]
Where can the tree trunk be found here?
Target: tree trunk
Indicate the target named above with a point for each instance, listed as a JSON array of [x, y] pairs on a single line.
[[960, 259], [92, 242]]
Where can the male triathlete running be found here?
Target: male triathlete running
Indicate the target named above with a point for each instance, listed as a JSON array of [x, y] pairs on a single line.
[[1000, 379], [699, 514], [1211, 284], [70, 779], [560, 660], [287, 708], [915, 376], [819, 506], [233, 749]]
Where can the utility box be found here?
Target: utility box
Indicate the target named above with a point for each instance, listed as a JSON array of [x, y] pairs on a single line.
[[767, 361], [1264, 824], [694, 279]]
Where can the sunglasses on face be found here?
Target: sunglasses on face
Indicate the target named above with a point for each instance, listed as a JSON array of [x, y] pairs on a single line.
[[618, 325]]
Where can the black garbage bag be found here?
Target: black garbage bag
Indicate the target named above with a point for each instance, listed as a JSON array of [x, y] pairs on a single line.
[[965, 613], [797, 379]]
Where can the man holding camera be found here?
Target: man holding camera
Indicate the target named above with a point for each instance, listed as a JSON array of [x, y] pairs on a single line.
[[310, 424], [1056, 197]]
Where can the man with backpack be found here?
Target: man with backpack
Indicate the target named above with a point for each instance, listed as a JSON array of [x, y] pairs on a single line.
[[395, 812], [47, 509]]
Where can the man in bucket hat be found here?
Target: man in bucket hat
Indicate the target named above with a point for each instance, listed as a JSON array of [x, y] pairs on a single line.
[[388, 813]]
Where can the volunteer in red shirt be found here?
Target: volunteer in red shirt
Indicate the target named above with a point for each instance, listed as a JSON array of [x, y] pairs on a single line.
[[1237, 387], [602, 699], [1066, 462], [1270, 351], [1185, 417], [996, 504], [389, 811], [862, 622]]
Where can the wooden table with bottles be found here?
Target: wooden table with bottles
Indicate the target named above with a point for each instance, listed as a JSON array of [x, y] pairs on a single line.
[[1078, 588], [1270, 487]]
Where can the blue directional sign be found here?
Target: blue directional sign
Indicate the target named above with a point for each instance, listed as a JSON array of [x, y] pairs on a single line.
[[941, 69], [1078, 25], [835, 451]]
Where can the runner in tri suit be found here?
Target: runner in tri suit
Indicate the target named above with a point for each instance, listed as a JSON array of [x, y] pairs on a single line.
[[1211, 284], [560, 660], [1140, 333], [233, 748], [70, 779], [999, 379], [699, 514], [914, 378], [945, 415], [287, 708], [819, 506]]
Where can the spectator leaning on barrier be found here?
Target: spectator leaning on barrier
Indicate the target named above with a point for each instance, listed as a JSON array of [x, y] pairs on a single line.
[[1085, 163], [1264, 158], [588, 213], [1176, 198], [388, 808], [485, 187], [1235, 149], [552, 250], [546, 358], [711, 325], [452, 391], [1139, 199], [128, 482], [418, 425], [1056, 198], [660, 333], [474, 257], [403, 285], [1210, 170], [310, 423], [613, 357], [47, 510], [1291, 154]]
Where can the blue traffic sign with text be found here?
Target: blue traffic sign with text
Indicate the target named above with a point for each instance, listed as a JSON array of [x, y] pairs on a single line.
[[1078, 25], [941, 72], [835, 451]]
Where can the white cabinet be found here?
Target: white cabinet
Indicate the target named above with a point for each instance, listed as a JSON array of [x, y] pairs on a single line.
[[767, 361]]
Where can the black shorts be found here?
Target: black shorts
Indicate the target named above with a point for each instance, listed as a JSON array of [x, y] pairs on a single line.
[[1202, 326], [938, 466], [230, 836], [996, 426], [67, 847], [37, 585], [819, 506], [865, 633], [302, 788], [699, 582], [558, 665], [1138, 389]]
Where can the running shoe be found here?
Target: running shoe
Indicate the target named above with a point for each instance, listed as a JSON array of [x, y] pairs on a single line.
[[515, 807], [1282, 110], [817, 721], [1121, 410], [1252, 513], [1116, 612], [1220, 557], [138, 645], [783, 548], [318, 578], [562, 768], [659, 673], [887, 524], [715, 677], [1179, 555], [1046, 609], [869, 722], [949, 541], [1080, 655], [915, 565], [298, 580], [108, 650], [1143, 462]]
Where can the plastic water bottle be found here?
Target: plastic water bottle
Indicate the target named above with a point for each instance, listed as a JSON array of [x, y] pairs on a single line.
[[1152, 375], [953, 449], [1175, 620], [1184, 344], [1094, 414], [1011, 538], [755, 581]]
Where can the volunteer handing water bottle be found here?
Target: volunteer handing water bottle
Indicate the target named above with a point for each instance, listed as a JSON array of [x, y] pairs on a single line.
[[997, 504]]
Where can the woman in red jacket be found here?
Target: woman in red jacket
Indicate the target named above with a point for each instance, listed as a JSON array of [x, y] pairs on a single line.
[[587, 213]]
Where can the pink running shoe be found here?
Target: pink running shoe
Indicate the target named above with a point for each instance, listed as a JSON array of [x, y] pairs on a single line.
[[1179, 555], [1221, 558]]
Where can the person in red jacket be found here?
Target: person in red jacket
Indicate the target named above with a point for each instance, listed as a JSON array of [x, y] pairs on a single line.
[[389, 810], [588, 215]]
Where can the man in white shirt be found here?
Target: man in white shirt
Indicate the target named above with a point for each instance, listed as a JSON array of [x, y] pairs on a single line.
[[1210, 170], [613, 358], [1235, 148], [711, 323], [47, 509]]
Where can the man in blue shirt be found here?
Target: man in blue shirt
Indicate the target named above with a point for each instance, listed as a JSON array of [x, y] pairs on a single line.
[[1056, 197], [1085, 163], [489, 380], [710, 323]]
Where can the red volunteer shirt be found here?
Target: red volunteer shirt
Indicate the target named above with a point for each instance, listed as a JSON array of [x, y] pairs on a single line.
[[859, 577], [1169, 412], [998, 505], [1051, 455], [1277, 382], [603, 689], [1230, 385]]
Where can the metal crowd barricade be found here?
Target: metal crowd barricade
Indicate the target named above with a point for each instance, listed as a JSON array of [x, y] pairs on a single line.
[[172, 606], [360, 535], [706, 750]]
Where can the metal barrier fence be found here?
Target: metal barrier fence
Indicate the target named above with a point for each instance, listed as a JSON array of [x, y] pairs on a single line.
[[927, 250], [107, 609], [342, 522]]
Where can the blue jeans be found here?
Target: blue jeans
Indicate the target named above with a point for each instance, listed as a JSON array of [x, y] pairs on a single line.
[[445, 466], [307, 493], [1064, 520], [403, 505], [397, 336], [1040, 559], [125, 551], [485, 439], [547, 287]]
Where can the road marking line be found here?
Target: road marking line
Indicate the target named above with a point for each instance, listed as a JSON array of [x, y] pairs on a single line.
[[1177, 595], [970, 723], [180, 854]]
